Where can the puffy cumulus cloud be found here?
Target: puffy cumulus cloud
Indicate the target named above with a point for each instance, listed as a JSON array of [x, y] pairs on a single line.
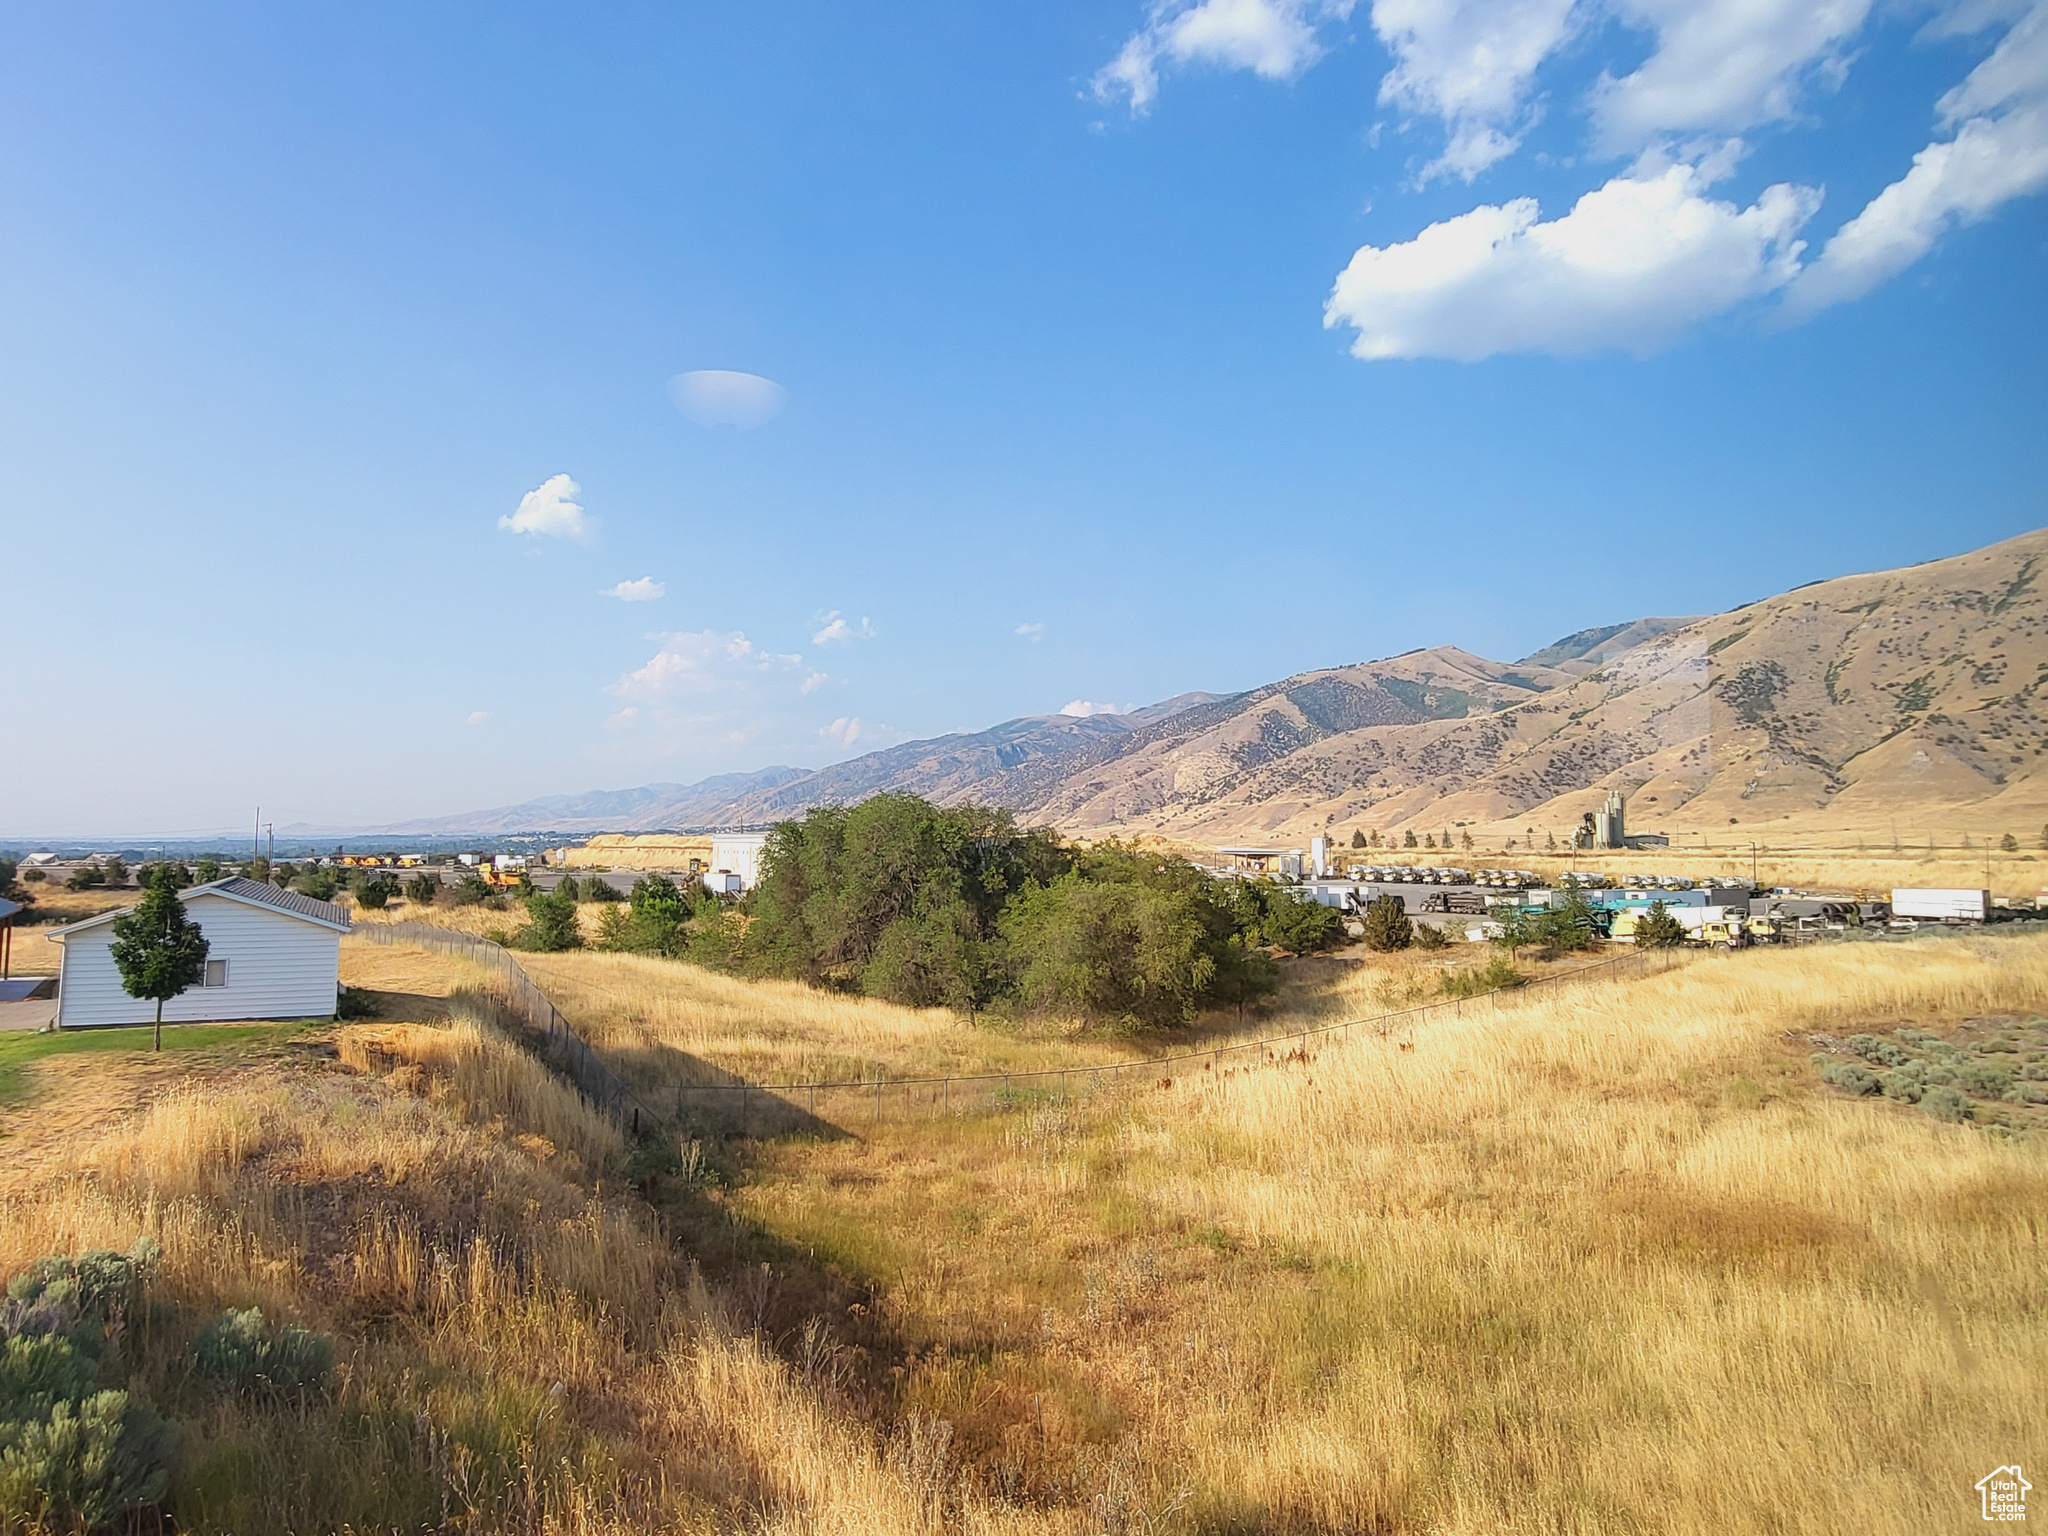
[[1723, 65], [549, 509], [1999, 151], [1274, 39], [719, 397], [812, 682], [705, 661], [1634, 263], [834, 630], [1470, 63], [645, 590], [1083, 708], [1034, 632]]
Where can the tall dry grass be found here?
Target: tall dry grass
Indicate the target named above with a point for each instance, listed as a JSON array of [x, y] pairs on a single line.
[[1609, 1260], [662, 1021]]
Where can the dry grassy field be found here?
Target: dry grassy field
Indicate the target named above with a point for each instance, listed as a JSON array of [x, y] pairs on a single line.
[[1609, 1258]]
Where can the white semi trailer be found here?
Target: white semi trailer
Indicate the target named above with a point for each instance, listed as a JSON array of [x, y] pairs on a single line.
[[1930, 905]]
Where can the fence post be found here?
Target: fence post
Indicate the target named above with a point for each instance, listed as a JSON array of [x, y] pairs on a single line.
[[878, 1096]]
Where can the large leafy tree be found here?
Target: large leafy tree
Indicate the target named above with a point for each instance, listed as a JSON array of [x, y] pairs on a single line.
[[157, 948]]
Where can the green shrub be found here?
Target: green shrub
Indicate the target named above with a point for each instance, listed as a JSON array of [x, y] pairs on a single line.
[[90, 1284], [2026, 1093], [550, 923], [1658, 929], [421, 890], [1431, 936], [1902, 1085], [1848, 1077], [567, 886], [1881, 1052], [376, 893], [72, 1455], [597, 888], [86, 1462], [86, 877], [355, 1003], [1387, 925], [1491, 977], [1944, 1104], [1982, 1079], [238, 1351], [317, 882], [473, 890]]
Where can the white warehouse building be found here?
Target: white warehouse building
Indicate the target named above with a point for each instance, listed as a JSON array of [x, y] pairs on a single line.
[[270, 954]]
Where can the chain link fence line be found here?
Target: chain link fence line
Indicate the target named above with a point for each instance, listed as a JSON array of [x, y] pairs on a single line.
[[737, 1106], [593, 1078]]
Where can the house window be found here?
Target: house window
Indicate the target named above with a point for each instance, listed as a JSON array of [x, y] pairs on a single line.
[[216, 974]]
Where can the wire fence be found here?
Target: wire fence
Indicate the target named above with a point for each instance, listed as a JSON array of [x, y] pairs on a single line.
[[569, 1051], [718, 1103]]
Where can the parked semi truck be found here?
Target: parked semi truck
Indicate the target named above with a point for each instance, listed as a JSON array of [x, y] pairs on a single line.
[[1933, 905]]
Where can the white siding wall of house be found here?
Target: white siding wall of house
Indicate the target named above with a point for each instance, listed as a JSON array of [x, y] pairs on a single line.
[[278, 967]]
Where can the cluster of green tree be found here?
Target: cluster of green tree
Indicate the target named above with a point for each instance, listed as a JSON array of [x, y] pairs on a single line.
[[95, 873], [957, 906]]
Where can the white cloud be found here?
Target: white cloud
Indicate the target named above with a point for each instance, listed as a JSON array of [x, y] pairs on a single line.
[[717, 397], [705, 661], [1032, 632], [812, 682], [1723, 65], [1470, 63], [1632, 265], [1999, 152], [1275, 39], [644, 590], [845, 731], [834, 630], [550, 509], [478, 716], [1083, 708]]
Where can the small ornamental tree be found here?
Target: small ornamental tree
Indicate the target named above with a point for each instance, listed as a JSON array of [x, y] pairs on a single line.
[[1387, 925], [206, 871], [1465, 838], [1658, 929], [158, 949], [1358, 839], [1517, 929], [1408, 838], [2009, 844], [421, 890]]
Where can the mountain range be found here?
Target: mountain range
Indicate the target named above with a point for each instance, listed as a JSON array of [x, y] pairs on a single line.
[[1907, 698]]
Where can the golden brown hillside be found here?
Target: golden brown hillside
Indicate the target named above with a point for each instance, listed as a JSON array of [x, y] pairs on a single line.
[[1910, 697]]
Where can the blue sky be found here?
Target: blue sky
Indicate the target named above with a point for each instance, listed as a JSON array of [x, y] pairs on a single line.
[[1097, 352]]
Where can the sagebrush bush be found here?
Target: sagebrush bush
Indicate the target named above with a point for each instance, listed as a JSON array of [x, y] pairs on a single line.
[[1944, 1103], [71, 1454], [237, 1351], [1430, 936], [1881, 1052], [1848, 1077]]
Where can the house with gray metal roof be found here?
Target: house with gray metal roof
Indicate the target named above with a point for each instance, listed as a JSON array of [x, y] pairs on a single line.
[[270, 954]]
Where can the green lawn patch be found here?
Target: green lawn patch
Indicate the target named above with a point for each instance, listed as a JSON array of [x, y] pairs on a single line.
[[19, 1049]]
